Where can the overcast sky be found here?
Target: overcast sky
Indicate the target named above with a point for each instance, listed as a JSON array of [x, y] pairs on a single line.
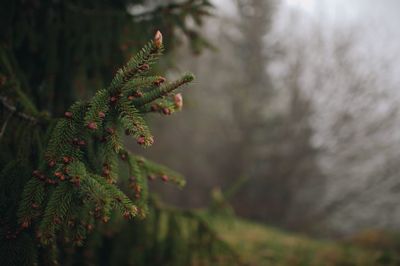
[[378, 14], [376, 21]]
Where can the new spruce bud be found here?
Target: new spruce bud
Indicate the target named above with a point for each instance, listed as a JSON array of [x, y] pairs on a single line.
[[92, 126], [178, 99], [158, 39], [164, 178], [68, 114]]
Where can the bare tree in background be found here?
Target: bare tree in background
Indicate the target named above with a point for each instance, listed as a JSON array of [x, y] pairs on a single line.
[[355, 124]]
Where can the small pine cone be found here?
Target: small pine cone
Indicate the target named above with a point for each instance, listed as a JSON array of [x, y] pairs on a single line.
[[105, 219], [58, 174], [160, 81], [141, 140], [102, 115], [110, 130], [178, 99], [34, 206], [92, 125], [164, 178], [166, 111], [66, 159], [144, 67], [68, 114], [158, 39], [52, 163], [131, 97], [127, 215], [113, 99], [82, 143], [106, 172]]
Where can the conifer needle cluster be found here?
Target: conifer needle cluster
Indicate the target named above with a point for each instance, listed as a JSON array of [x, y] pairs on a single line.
[[77, 184]]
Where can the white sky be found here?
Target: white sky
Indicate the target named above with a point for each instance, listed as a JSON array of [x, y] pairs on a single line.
[[378, 21]]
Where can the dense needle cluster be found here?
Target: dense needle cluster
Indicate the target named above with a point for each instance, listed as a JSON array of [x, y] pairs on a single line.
[[77, 185]]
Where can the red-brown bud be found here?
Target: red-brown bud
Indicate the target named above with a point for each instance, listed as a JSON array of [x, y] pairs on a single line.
[[102, 115], [158, 39], [68, 114], [52, 163], [82, 143], [141, 140], [178, 100], [67, 159], [159, 81], [58, 174], [164, 178], [166, 111], [110, 130], [92, 125], [144, 67], [127, 215], [113, 99]]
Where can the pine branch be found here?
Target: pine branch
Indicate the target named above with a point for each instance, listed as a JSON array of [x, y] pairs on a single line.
[[68, 184], [13, 110], [162, 90]]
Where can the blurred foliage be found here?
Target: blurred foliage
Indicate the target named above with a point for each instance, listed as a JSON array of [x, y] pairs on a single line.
[[261, 245], [167, 236], [57, 51]]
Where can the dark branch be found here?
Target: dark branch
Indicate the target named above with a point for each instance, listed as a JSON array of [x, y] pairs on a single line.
[[13, 110]]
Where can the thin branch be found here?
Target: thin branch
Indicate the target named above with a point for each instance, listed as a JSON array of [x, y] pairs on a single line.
[[13, 109]]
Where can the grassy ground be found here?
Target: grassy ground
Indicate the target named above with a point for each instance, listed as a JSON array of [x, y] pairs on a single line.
[[261, 245]]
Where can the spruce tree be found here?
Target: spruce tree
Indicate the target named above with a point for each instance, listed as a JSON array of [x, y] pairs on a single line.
[[71, 192]]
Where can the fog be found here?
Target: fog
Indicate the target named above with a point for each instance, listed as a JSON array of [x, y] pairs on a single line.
[[298, 104]]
